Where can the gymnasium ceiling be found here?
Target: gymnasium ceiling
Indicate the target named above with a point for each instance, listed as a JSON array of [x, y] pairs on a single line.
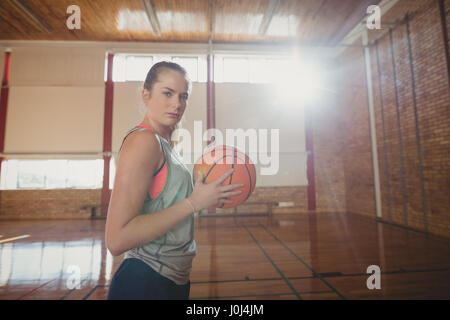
[[309, 22]]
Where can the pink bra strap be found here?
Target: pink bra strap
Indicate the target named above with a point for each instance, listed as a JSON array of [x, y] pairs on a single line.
[[146, 127]]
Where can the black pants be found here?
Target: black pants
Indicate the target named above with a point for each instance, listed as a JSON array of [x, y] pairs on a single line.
[[135, 280]]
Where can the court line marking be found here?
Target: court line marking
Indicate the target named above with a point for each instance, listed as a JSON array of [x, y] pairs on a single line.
[[15, 238], [252, 280], [90, 292], [264, 295], [261, 295], [244, 280], [304, 263], [35, 289], [401, 271], [244, 296], [273, 263]]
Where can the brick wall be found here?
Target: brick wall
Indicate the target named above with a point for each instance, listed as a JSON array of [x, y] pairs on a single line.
[[67, 204], [328, 159], [412, 138], [356, 144], [256, 202], [47, 204], [447, 18]]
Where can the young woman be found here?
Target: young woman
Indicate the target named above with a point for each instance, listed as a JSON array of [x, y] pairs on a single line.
[[151, 210]]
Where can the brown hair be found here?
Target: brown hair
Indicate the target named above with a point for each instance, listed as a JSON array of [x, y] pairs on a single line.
[[157, 68]]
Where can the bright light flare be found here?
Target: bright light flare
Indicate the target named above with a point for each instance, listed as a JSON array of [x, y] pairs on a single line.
[[299, 82]]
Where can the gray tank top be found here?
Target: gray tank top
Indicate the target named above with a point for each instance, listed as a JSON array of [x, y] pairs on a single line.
[[171, 254]]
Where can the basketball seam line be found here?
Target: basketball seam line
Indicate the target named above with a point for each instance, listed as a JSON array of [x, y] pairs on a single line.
[[232, 167], [248, 172]]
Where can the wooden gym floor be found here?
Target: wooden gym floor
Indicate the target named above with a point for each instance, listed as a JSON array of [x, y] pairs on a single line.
[[304, 256]]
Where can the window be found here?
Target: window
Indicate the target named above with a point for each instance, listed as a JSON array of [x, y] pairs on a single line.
[[51, 174], [137, 67], [127, 67], [250, 69], [189, 64], [84, 174], [259, 70], [31, 174], [235, 70], [227, 68]]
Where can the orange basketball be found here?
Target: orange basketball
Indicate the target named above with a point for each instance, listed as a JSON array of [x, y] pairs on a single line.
[[217, 160]]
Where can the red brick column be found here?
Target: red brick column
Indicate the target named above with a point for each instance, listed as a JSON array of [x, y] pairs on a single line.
[[4, 103], [310, 160], [107, 134]]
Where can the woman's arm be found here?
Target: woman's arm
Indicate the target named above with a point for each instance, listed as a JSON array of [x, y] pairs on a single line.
[[126, 228], [145, 228]]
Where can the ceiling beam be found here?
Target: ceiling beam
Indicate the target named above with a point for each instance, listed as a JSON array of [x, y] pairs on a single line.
[[273, 5], [34, 19], [152, 18]]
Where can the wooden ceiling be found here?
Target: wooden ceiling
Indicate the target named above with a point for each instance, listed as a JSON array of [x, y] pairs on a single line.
[[309, 22]]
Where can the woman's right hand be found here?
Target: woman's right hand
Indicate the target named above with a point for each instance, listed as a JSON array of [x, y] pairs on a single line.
[[207, 195]]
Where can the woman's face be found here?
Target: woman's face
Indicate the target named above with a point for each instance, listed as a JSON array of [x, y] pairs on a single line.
[[168, 98]]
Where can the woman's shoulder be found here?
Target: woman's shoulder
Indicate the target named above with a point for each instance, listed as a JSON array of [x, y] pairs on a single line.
[[141, 142]]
